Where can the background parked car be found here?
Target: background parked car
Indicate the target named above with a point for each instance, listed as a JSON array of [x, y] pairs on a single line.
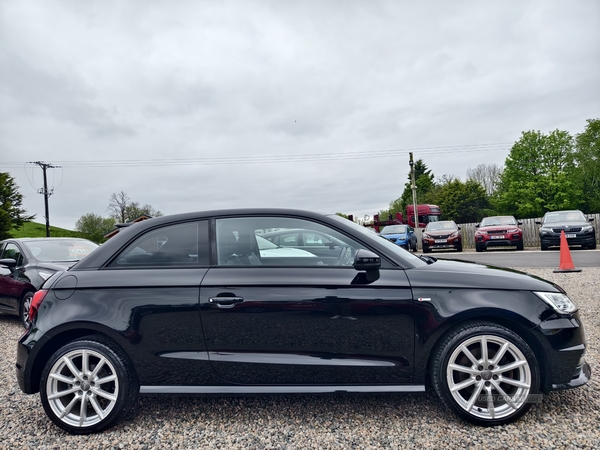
[[498, 231], [27, 263], [442, 235], [576, 226], [402, 235]]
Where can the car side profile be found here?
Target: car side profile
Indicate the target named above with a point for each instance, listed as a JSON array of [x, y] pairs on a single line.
[[442, 235], [498, 231], [573, 223], [26, 263], [187, 304]]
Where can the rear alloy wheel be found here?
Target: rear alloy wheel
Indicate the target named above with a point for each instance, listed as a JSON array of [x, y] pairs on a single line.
[[24, 308], [87, 386], [486, 373]]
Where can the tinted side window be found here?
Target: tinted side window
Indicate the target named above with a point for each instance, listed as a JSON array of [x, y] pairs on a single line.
[[174, 245], [14, 252], [240, 242]]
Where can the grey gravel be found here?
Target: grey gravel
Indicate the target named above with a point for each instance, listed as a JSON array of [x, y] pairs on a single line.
[[567, 419]]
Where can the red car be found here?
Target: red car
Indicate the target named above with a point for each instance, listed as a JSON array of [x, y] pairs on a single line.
[[498, 231]]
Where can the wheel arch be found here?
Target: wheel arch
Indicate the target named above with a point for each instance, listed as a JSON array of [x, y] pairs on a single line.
[[514, 323], [65, 336]]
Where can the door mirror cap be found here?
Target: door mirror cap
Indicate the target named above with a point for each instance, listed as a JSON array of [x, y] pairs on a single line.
[[8, 262], [366, 260]]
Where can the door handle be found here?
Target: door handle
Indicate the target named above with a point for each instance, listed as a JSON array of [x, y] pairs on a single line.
[[225, 302]]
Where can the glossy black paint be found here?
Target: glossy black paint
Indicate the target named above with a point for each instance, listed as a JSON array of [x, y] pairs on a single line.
[[228, 326]]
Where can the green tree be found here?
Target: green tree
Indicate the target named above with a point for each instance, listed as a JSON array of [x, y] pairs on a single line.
[[12, 214], [95, 226], [587, 158], [539, 176], [462, 202], [425, 187]]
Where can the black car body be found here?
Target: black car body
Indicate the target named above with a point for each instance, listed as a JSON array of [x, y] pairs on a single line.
[[184, 304], [576, 226], [27, 262]]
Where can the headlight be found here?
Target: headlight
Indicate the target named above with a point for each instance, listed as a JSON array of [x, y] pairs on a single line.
[[426, 236], [587, 228], [514, 230], [46, 275], [560, 302]]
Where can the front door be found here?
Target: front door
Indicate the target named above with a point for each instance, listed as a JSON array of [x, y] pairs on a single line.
[[270, 321]]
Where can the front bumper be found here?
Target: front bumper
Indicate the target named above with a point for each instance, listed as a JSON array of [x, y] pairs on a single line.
[[554, 240], [582, 375]]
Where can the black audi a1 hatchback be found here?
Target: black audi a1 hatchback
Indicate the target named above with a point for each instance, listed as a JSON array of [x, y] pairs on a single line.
[[191, 304]]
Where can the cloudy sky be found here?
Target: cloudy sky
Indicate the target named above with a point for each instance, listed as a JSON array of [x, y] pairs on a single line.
[[192, 105]]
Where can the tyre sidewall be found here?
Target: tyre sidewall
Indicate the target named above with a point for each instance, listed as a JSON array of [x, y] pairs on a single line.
[[27, 295], [447, 346]]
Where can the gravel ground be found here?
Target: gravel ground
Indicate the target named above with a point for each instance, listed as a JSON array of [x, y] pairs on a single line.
[[567, 419]]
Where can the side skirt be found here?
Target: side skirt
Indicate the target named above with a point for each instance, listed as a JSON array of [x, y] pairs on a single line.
[[275, 389]]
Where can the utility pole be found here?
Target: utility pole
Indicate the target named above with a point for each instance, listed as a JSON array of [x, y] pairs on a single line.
[[414, 195], [47, 193]]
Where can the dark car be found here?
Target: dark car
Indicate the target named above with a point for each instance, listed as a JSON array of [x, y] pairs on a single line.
[[402, 235], [187, 305], [498, 231], [26, 263], [442, 235], [576, 226]]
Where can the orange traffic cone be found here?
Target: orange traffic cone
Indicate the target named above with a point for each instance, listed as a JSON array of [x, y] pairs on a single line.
[[566, 262]]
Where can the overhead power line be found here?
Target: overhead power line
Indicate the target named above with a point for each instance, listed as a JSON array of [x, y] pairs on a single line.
[[271, 159]]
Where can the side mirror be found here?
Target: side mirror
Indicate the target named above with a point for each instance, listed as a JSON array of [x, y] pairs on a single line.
[[366, 260], [519, 223], [8, 262], [458, 228], [539, 222], [591, 219], [477, 225]]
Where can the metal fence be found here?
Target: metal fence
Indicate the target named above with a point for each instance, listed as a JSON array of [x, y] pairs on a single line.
[[531, 235]]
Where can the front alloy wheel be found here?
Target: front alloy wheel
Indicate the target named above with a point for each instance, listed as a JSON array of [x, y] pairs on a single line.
[[486, 373], [86, 386]]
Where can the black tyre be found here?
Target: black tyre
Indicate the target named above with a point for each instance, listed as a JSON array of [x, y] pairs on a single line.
[[593, 246], [87, 386], [479, 247], [544, 247], [520, 245], [426, 249], [24, 308], [485, 373], [459, 248]]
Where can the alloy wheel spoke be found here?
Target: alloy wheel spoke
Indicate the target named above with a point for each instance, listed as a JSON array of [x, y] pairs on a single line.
[[507, 398], [474, 397], [74, 370], [500, 354], [83, 409], [107, 379], [463, 369], [468, 382], [98, 367], [508, 367], [69, 407], [469, 355], [85, 361], [490, 402], [63, 393], [484, 351], [63, 378], [97, 407], [104, 394], [514, 382]]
